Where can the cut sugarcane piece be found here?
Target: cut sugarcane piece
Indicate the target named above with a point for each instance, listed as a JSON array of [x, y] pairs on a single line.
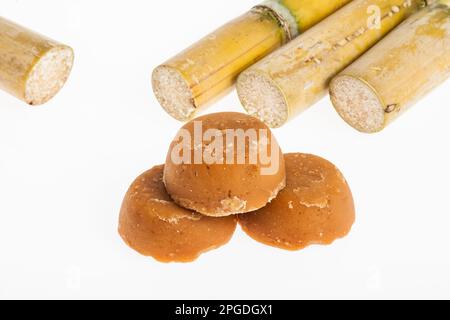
[[32, 67], [204, 72], [402, 68], [294, 77]]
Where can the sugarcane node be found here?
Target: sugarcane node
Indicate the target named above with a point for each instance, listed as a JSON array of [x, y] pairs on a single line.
[[240, 170]]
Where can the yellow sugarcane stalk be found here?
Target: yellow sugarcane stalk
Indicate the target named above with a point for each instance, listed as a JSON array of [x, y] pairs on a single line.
[[32, 67], [290, 80], [199, 75], [402, 68]]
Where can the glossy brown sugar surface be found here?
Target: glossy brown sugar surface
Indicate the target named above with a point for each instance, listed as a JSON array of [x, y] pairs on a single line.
[[229, 188], [316, 207], [153, 225]]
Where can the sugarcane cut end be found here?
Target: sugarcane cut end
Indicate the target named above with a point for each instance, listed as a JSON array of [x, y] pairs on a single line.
[[357, 103], [262, 98], [173, 93], [48, 75]]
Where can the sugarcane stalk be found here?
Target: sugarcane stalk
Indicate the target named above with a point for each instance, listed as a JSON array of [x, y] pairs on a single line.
[[32, 67], [401, 69], [290, 80], [192, 80]]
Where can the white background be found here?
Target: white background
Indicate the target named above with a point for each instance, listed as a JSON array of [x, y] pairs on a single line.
[[65, 167]]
